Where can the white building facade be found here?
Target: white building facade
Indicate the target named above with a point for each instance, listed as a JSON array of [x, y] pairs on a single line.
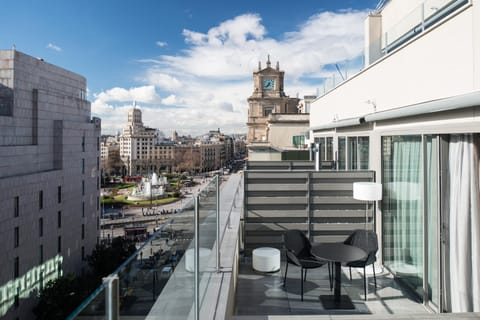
[[411, 115], [49, 178]]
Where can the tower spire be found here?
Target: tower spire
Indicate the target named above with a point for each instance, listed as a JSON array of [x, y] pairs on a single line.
[[268, 61]]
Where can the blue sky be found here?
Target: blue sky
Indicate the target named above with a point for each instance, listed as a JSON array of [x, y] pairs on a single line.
[[188, 64]]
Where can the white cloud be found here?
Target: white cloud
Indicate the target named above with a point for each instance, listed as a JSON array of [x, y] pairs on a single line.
[[146, 94], [207, 84], [161, 44], [54, 47]]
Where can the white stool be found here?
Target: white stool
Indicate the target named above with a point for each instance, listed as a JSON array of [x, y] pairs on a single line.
[[266, 259]]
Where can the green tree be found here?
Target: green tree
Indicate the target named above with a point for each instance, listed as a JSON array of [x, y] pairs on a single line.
[[105, 259], [60, 297]]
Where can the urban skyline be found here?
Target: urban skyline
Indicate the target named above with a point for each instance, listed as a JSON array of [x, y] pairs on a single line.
[[188, 65]]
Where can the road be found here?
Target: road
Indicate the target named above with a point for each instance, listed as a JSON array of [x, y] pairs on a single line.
[[114, 228]]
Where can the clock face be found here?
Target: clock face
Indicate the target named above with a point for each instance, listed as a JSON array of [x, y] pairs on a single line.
[[268, 84]]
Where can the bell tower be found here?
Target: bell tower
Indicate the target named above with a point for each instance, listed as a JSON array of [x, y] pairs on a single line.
[[267, 98]]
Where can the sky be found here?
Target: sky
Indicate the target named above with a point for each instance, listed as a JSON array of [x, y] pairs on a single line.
[[188, 65]]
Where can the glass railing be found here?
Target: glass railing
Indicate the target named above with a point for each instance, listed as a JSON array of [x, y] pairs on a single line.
[[418, 20], [161, 278]]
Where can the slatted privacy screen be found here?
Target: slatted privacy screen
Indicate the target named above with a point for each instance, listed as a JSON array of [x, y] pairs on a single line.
[[320, 203]]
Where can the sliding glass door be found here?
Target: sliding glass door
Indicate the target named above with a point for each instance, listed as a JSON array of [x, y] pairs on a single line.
[[402, 208]]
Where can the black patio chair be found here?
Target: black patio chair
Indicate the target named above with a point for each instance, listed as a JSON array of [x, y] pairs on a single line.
[[368, 242], [298, 252]]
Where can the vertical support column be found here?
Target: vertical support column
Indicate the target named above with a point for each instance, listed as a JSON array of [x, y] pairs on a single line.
[[196, 259], [217, 186], [112, 302], [317, 157]]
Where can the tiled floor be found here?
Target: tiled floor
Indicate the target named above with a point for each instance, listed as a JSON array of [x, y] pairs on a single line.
[[260, 295]]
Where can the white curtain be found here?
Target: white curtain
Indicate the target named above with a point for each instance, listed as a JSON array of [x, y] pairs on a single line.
[[464, 223]]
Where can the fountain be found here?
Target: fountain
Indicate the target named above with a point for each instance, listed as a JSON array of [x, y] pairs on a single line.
[[147, 189]]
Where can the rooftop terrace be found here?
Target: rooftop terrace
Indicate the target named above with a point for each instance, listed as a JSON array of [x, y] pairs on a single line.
[[231, 289]]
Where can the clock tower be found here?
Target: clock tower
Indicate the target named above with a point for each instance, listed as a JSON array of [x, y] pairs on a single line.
[[268, 98]]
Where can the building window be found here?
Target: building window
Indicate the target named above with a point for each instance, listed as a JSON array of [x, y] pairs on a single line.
[[83, 231], [40, 227], [83, 143], [59, 244], [83, 209], [402, 207], [41, 254], [98, 203], [83, 187], [267, 112], [59, 194], [98, 143], [40, 199], [98, 163], [341, 153], [98, 183], [59, 219], [16, 206], [83, 166], [16, 267], [16, 237], [358, 153], [83, 253]]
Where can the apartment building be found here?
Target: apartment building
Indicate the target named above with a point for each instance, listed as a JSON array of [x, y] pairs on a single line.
[[142, 149], [411, 115], [49, 178]]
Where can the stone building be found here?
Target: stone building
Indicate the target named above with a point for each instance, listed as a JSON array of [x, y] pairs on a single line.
[[274, 119], [49, 178], [143, 149], [267, 98]]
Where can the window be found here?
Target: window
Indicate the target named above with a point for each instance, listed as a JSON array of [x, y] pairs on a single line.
[[41, 254], [59, 244], [341, 153], [59, 194], [98, 203], [16, 237], [83, 209], [358, 153], [83, 143], [16, 267], [59, 219], [98, 143], [83, 166], [83, 187], [16, 206], [40, 227], [40, 199], [267, 111], [83, 231], [83, 253], [402, 207]]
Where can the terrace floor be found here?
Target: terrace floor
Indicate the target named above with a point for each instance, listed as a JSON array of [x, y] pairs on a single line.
[[262, 296]]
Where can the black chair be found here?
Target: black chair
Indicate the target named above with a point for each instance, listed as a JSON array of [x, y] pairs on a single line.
[[368, 242], [298, 252]]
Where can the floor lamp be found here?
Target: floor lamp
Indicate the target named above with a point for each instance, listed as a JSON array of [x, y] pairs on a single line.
[[367, 191]]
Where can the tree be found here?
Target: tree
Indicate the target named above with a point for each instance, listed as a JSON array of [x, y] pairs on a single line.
[[59, 298], [105, 259]]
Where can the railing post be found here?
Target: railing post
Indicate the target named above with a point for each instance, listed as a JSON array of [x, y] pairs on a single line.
[[196, 259], [112, 299], [217, 186]]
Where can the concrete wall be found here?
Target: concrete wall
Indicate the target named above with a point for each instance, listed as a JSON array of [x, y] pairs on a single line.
[[48, 142], [441, 62]]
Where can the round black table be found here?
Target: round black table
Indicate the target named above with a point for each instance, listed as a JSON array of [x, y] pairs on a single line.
[[338, 253]]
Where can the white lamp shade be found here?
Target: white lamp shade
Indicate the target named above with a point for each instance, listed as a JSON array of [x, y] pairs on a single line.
[[367, 191]]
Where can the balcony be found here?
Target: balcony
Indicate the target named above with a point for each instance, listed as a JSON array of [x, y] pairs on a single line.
[[254, 209]]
